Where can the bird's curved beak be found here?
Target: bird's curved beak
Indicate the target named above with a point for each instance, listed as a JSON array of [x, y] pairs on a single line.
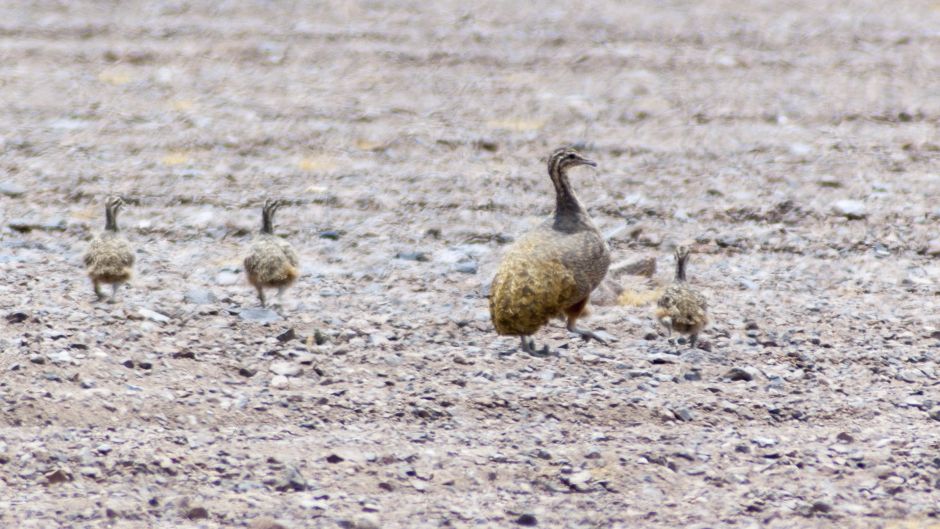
[[591, 163]]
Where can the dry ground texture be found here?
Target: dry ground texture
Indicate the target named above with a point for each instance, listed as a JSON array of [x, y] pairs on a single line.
[[795, 144]]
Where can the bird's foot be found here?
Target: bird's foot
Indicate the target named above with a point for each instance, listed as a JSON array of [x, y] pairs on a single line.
[[528, 346], [587, 336]]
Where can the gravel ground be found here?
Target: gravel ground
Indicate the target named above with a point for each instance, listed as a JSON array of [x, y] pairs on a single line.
[[794, 143]]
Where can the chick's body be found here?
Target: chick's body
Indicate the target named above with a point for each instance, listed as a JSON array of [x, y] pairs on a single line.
[[109, 259], [685, 310], [272, 263]]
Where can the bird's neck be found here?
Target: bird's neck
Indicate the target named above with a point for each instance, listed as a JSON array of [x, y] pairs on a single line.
[[110, 220], [267, 223], [567, 205], [680, 270]]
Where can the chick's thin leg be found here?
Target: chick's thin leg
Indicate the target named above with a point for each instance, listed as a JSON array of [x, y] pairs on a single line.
[[98, 291], [114, 292], [261, 296]]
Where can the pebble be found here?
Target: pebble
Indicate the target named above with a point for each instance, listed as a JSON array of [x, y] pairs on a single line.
[[61, 357], [850, 209], [11, 189], [199, 296], [420, 257], [746, 374], [279, 382], [153, 315], [291, 480], [226, 278], [259, 315], [287, 369], [527, 520]]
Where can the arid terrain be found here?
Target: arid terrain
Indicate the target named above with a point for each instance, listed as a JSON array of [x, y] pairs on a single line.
[[794, 144]]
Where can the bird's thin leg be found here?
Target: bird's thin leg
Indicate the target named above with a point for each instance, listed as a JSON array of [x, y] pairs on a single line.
[[528, 346], [114, 293], [280, 296], [692, 339], [261, 296], [585, 335], [98, 291]]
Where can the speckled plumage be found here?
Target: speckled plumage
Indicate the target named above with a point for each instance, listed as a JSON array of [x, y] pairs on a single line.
[[109, 258], [682, 308], [551, 270], [272, 261]]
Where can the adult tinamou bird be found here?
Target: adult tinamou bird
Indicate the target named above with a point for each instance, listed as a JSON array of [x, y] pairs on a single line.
[[109, 258], [551, 270], [682, 308], [272, 262]]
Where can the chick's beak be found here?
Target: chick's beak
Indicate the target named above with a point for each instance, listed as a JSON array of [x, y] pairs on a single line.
[[591, 163]]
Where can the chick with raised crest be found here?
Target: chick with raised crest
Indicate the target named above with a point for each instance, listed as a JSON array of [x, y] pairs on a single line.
[[272, 261]]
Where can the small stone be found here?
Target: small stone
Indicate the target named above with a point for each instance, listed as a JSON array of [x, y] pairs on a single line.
[[152, 315], [850, 209], [199, 296], [467, 266], [259, 315], [226, 278], [365, 521], [287, 335], [746, 374], [279, 382], [844, 437], [197, 513], [933, 248], [527, 520], [934, 414], [287, 369], [16, 317], [11, 189], [421, 257], [332, 235], [59, 475], [61, 357], [764, 442], [267, 523], [580, 481], [103, 448], [128, 363], [683, 414], [291, 480], [247, 372], [334, 458], [692, 376]]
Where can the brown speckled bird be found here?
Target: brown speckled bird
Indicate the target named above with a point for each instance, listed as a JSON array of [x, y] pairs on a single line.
[[551, 270], [681, 308], [272, 263], [109, 258]]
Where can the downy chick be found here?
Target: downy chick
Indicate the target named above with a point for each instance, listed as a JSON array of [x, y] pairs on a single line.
[[272, 262], [109, 258], [682, 308]]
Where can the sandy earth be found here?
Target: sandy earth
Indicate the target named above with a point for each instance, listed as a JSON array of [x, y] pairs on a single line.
[[411, 141]]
